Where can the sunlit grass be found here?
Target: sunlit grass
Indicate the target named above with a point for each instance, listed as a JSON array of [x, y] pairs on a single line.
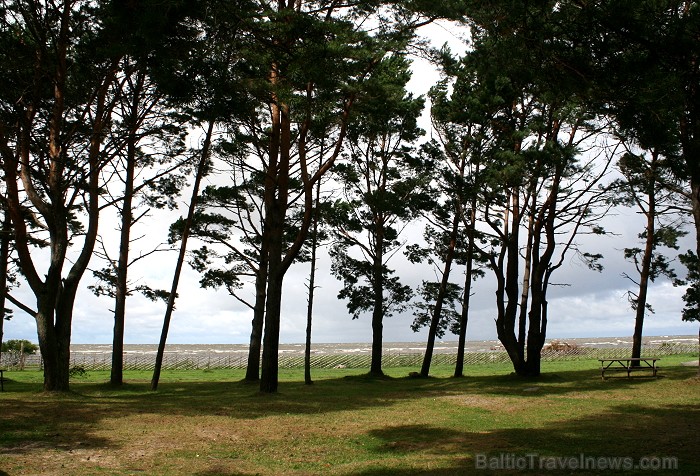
[[210, 422]]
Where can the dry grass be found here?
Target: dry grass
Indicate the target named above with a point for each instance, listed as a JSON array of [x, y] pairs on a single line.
[[209, 423]]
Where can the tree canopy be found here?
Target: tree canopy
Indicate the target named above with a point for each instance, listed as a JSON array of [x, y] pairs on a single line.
[[269, 108]]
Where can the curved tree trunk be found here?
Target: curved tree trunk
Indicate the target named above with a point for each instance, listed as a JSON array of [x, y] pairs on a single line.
[[507, 271], [641, 300], [647, 256], [201, 168], [440, 298]]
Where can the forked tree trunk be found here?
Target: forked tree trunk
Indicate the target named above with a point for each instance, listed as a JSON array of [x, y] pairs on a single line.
[[48, 186], [507, 271], [276, 203]]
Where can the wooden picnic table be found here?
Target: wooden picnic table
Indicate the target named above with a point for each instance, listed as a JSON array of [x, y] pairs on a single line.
[[629, 365]]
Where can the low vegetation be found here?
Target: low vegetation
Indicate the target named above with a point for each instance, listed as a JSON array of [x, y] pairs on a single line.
[[210, 422]]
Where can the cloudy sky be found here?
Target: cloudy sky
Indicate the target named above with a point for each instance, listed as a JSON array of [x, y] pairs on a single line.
[[591, 305]]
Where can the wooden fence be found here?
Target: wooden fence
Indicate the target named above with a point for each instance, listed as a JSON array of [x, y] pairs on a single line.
[[174, 361]]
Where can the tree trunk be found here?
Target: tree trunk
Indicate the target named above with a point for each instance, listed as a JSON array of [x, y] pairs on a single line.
[[536, 321], [464, 316], [121, 291], [690, 145], [48, 346], [5, 237], [252, 373], [544, 222], [201, 168], [312, 287], [54, 321], [47, 185], [378, 309], [273, 308], [527, 271], [643, 288], [645, 272], [535, 335], [507, 292], [276, 203], [440, 298]]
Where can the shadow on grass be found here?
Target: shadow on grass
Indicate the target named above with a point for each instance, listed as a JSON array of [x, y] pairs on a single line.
[[648, 435], [217, 471], [49, 421], [33, 421]]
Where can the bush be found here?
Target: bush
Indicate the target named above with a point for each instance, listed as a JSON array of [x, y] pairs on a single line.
[[15, 352], [77, 371], [17, 346]]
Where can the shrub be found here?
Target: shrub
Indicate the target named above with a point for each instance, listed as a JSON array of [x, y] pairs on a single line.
[[77, 371], [17, 346]]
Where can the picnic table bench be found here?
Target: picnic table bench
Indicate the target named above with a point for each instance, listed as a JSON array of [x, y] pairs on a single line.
[[629, 365]]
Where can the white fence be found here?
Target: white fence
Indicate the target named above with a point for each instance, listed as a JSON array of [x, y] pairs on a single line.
[[175, 361]]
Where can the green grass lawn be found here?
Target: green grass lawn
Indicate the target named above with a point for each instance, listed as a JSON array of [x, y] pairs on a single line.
[[211, 423]]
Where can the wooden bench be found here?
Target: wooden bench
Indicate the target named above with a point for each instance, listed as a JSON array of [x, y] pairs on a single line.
[[629, 365]]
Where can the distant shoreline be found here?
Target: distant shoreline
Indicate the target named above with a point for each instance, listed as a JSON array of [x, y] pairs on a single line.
[[362, 348], [358, 355]]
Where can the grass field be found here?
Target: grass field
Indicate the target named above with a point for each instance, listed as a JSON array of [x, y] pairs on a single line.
[[211, 423]]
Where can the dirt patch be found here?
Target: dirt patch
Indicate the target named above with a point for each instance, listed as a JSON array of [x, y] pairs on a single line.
[[490, 402]]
